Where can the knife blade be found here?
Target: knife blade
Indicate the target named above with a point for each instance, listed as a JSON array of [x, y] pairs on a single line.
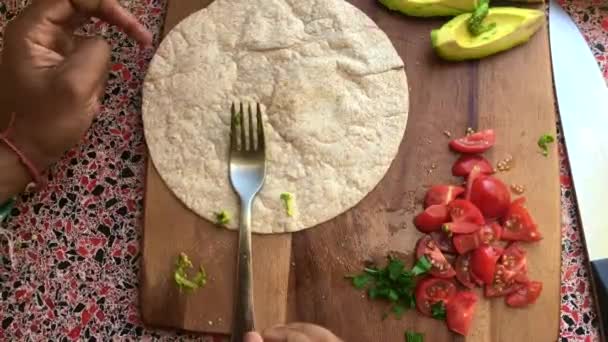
[[582, 98]]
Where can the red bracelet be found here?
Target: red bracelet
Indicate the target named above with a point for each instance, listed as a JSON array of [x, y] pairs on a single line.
[[29, 165]]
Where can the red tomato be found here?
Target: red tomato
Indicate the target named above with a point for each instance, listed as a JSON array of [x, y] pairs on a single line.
[[444, 242], [463, 270], [442, 194], [432, 290], [483, 263], [524, 294], [512, 269], [476, 279], [498, 290], [488, 234], [432, 218], [465, 211], [491, 196], [463, 166], [518, 225], [441, 267], [473, 175], [475, 143], [460, 227], [459, 312], [513, 266]]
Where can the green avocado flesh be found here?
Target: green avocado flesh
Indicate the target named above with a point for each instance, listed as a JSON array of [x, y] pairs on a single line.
[[514, 26], [431, 8]]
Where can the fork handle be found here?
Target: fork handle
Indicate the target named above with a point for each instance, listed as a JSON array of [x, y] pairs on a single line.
[[243, 321]]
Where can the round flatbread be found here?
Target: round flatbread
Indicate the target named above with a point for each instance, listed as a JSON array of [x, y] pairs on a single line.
[[333, 92]]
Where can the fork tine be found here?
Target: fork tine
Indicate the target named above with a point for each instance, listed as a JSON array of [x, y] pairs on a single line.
[[233, 121], [242, 117], [251, 137], [261, 141]]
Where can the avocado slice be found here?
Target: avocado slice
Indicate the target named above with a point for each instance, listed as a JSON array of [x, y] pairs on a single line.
[[514, 26], [431, 8]]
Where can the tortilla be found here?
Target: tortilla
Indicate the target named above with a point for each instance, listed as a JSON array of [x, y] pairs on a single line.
[[333, 91]]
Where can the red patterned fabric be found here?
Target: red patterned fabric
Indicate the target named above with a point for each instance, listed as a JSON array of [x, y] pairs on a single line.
[[79, 239]]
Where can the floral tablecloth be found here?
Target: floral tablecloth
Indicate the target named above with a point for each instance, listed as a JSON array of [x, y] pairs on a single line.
[[77, 257]]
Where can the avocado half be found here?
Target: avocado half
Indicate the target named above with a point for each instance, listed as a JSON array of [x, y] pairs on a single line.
[[431, 8], [514, 26]]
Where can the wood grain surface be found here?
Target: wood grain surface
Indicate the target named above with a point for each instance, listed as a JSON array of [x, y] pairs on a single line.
[[301, 276]]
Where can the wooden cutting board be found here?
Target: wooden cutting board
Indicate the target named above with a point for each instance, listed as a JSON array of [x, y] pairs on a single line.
[[300, 276]]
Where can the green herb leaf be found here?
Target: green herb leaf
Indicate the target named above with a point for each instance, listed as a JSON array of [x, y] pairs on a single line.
[[412, 336], [543, 142], [475, 22], [373, 293], [393, 296], [398, 310], [289, 203], [222, 218], [395, 268], [371, 271], [422, 266], [438, 310], [360, 281], [392, 283], [181, 277]]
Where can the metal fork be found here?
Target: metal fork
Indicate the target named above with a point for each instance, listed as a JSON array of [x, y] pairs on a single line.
[[247, 173]]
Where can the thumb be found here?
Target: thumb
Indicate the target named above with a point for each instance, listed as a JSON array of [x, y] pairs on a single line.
[[253, 337], [85, 70]]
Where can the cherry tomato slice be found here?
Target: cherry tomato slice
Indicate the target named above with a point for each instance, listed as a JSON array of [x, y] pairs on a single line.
[[463, 166], [432, 218], [441, 267], [513, 265], [518, 224], [488, 234], [460, 227], [483, 262], [460, 310], [475, 143], [444, 242], [473, 175], [462, 265], [432, 290], [524, 294], [442, 194], [465, 211], [498, 290], [491, 196]]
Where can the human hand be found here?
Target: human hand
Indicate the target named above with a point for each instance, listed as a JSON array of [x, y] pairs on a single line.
[[52, 79], [293, 332]]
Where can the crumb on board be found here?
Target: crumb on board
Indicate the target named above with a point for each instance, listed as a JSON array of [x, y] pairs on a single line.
[[447, 133], [469, 131]]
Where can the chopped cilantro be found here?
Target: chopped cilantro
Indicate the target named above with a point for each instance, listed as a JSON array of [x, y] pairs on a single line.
[[422, 266], [438, 310], [181, 277], [222, 218], [398, 310], [361, 280], [475, 22], [395, 269], [289, 203], [393, 283], [412, 336], [543, 142]]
